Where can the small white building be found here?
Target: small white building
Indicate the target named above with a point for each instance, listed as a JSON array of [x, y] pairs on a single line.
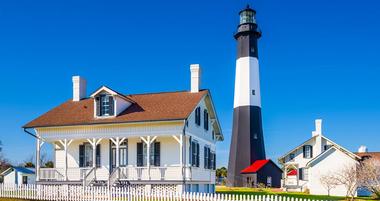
[[18, 176], [153, 141], [304, 165]]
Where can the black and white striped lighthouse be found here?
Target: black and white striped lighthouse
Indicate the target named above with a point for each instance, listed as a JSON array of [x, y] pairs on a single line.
[[247, 141]]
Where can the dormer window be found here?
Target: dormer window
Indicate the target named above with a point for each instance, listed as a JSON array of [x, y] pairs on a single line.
[[109, 103], [105, 105]]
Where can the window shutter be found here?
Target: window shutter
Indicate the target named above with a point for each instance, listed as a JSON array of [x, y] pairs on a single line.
[[139, 154], [197, 155], [311, 151], [112, 103], [81, 155], [300, 173], [304, 151], [190, 152], [214, 165], [98, 155], [97, 102], [205, 161], [157, 152], [194, 154], [198, 116], [205, 120]]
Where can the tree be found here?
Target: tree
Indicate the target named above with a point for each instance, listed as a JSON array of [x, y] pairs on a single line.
[[329, 182], [221, 172], [49, 164], [369, 176], [348, 177]]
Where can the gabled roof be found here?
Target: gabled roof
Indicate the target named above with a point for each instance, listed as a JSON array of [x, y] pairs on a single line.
[[146, 107], [353, 156], [327, 139], [257, 165], [112, 92], [18, 169], [254, 167]]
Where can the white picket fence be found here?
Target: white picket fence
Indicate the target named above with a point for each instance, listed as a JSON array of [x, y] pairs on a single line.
[[80, 193]]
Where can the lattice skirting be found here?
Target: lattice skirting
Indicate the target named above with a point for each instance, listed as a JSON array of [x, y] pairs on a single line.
[[168, 188]]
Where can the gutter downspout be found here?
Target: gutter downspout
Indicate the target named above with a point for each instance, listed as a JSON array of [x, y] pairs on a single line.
[[26, 131], [37, 172], [184, 155]]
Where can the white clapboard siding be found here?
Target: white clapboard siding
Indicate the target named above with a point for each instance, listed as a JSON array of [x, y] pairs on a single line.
[[80, 193]]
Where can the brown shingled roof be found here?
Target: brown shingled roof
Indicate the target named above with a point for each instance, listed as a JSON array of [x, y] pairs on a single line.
[[374, 155], [147, 107]]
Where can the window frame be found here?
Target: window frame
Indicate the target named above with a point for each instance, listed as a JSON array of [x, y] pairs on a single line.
[[308, 151]]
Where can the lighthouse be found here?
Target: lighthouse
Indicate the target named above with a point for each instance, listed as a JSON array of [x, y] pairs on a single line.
[[247, 140]]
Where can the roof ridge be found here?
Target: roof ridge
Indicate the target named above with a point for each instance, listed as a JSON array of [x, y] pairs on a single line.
[[163, 92]]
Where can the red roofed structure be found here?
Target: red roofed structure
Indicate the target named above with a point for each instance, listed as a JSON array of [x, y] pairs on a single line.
[[263, 171], [256, 166]]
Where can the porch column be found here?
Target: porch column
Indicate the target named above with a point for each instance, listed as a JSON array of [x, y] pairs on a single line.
[[39, 144], [180, 142], [148, 141], [65, 143], [93, 143], [117, 141]]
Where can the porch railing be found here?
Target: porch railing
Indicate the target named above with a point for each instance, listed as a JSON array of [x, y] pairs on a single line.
[[52, 174], [130, 173]]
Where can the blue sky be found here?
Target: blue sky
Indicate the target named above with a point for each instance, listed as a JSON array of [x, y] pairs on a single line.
[[318, 59]]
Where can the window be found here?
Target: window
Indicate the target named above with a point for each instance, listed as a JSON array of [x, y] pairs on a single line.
[[206, 188], [291, 156], [195, 188], [123, 154], [205, 123], [194, 153], [24, 179], [328, 146], [307, 151], [86, 155], [303, 174], [142, 154], [104, 105], [206, 155], [198, 116], [269, 181], [255, 136]]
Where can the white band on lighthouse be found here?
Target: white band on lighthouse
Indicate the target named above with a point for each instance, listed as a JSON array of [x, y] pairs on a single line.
[[247, 82]]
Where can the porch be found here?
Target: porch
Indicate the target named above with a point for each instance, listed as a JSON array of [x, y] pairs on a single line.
[[120, 158], [292, 180]]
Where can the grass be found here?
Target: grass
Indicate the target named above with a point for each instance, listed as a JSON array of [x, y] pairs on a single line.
[[269, 191], [12, 199]]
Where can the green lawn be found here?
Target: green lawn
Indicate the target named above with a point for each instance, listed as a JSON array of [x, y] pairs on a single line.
[[268, 191]]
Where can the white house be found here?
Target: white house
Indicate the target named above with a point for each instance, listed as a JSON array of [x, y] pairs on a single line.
[[304, 165], [149, 141], [18, 176]]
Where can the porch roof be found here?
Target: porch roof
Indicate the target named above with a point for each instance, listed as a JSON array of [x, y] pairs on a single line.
[[146, 107]]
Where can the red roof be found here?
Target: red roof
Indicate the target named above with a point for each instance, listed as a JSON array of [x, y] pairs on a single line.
[[256, 166], [292, 173]]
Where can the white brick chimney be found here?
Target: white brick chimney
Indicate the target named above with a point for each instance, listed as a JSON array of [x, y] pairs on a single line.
[[363, 149], [79, 88], [318, 137], [195, 70], [318, 127]]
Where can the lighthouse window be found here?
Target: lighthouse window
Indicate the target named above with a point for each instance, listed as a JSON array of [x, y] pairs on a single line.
[[253, 92], [255, 136]]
